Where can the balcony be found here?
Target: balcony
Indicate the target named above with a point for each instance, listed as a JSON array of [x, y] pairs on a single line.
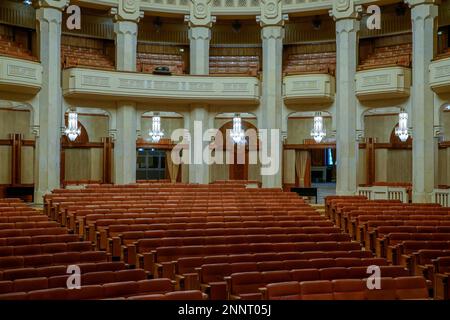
[[20, 76], [440, 75], [140, 87], [309, 88], [383, 83]]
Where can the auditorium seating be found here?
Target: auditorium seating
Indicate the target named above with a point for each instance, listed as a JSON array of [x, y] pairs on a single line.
[[441, 272], [304, 63], [211, 275], [414, 236], [147, 62], [246, 285], [387, 56], [34, 260], [10, 48], [391, 288], [186, 269], [77, 56], [234, 65], [221, 240]]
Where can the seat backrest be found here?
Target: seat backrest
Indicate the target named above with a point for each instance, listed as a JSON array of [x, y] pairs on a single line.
[[246, 282], [333, 273], [316, 290], [443, 264], [385, 292], [407, 288], [184, 295], [353, 289], [284, 291]]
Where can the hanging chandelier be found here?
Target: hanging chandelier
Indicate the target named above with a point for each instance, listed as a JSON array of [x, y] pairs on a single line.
[[72, 131], [237, 134], [318, 132], [402, 131], [156, 133]]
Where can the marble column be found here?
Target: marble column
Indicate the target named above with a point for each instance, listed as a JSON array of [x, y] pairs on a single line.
[[346, 15], [47, 153], [424, 24], [125, 30], [200, 22], [270, 116], [125, 144]]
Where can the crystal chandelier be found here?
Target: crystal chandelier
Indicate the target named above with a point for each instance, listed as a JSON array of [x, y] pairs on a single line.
[[72, 131], [156, 133], [318, 132], [402, 130], [237, 134]]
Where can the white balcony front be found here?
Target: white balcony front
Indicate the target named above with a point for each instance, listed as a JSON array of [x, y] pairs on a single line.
[[140, 87], [20, 76], [383, 83], [309, 88]]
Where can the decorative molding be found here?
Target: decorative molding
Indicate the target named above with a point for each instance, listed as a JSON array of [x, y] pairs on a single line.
[[35, 130], [271, 14], [360, 135], [53, 4], [128, 10], [311, 88], [112, 133], [20, 76], [345, 9], [440, 75], [113, 85], [200, 14], [383, 83]]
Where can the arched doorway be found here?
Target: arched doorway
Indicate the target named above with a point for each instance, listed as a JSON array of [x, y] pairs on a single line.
[[238, 169]]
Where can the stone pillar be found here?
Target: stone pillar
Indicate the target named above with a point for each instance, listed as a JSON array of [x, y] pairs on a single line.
[[200, 22], [197, 123], [125, 144], [126, 18], [272, 33], [48, 145], [346, 15], [424, 24]]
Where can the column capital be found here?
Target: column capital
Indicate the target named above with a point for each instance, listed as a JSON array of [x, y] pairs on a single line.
[[200, 14], [271, 14], [35, 129], [413, 3], [128, 10], [347, 25], [345, 9], [53, 4], [423, 9], [272, 32], [125, 27], [199, 33], [112, 133]]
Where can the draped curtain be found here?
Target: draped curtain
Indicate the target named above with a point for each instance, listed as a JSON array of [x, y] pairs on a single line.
[[172, 167], [302, 164]]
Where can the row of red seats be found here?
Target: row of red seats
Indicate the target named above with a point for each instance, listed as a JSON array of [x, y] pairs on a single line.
[[396, 55], [400, 288], [34, 257], [416, 236], [246, 285], [75, 56], [11, 48]]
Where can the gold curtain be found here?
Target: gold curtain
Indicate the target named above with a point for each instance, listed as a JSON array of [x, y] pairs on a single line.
[[301, 160], [172, 167]]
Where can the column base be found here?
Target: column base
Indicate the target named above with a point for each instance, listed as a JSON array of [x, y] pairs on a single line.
[[39, 196], [421, 197]]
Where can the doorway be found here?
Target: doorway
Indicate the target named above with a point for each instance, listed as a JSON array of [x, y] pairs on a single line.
[[151, 164], [238, 171]]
